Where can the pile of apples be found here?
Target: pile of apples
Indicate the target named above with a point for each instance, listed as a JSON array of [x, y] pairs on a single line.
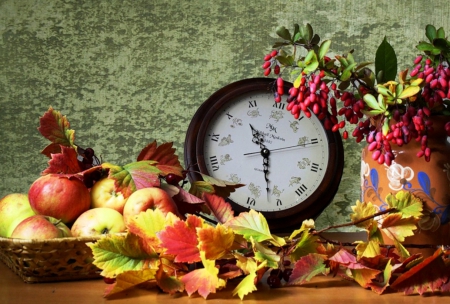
[[58, 206]]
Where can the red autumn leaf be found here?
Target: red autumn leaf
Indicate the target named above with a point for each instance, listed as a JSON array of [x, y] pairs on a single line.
[[306, 268], [65, 162], [163, 154], [135, 176], [181, 240], [55, 127], [188, 203], [431, 274], [219, 207]]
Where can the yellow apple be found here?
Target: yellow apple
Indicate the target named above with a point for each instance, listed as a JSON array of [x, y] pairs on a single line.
[[14, 208], [98, 221], [103, 194], [148, 198], [40, 227]]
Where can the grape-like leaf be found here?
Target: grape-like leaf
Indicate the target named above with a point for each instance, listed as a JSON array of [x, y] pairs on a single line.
[[406, 203], [397, 228], [180, 239], [135, 176], [116, 254], [56, 128], [305, 245], [431, 274], [204, 280], [306, 268], [250, 224], [65, 162], [221, 210], [215, 241], [129, 279]]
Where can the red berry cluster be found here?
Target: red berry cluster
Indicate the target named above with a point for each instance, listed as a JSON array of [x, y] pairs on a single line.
[[316, 93], [270, 63]]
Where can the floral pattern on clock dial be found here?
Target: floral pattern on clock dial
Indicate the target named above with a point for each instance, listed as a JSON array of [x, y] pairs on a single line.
[[289, 173]]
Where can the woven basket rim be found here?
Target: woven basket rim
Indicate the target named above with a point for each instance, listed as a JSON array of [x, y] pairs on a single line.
[[18, 241]]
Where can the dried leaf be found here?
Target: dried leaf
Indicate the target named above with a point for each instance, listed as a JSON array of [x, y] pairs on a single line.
[[65, 162], [55, 127], [215, 241]]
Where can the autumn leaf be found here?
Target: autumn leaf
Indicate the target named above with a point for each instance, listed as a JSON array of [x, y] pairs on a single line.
[[135, 176], [180, 239], [250, 224], [380, 286], [216, 241], [431, 274], [199, 187], [65, 162], [146, 225], [307, 225], [368, 249], [164, 154], [246, 264], [221, 210], [204, 280], [362, 211], [264, 254], [56, 128], [406, 203], [222, 188], [306, 268], [306, 244], [128, 280], [364, 276], [168, 283], [246, 286], [116, 254]]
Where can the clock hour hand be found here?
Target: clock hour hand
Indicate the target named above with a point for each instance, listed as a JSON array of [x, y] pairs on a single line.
[[258, 139]]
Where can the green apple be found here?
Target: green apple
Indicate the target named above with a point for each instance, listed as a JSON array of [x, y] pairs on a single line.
[[41, 227], [14, 208], [98, 221]]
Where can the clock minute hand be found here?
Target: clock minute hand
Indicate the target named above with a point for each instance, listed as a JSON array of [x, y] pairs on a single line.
[[284, 148]]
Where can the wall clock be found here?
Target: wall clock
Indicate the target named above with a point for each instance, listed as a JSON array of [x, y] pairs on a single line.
[[291, 167]]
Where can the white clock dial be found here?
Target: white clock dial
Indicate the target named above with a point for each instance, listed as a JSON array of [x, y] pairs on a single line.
[[298, 156]]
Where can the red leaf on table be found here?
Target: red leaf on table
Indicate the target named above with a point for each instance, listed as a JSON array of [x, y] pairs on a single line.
[[431, 274], [181, 240]]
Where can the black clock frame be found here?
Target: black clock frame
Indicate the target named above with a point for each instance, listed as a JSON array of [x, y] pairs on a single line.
[[279, 221]]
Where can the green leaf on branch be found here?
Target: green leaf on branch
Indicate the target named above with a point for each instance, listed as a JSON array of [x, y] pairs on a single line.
[[405, 203], [251, 225], [386, 61]]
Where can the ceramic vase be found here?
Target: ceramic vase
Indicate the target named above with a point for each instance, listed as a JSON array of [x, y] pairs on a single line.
[[428, 180]]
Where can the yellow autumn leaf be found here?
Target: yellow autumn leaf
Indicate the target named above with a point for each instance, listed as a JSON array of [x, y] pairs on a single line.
[[130, 279], [246, 286], [363, 210], [215, 241]]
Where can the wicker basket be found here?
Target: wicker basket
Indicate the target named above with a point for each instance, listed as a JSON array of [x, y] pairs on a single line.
[[63, 259]]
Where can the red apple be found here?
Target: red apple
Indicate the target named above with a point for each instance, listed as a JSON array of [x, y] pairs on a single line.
[[41, 227], [148, 198], [103, 194], [14, 208], [60, 197], [98, 221]]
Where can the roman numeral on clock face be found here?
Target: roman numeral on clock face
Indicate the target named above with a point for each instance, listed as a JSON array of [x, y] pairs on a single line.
[[279, 105], [252, 103], [214, 163], [301, 189], [251, 201], [215, 137], [314, 167]]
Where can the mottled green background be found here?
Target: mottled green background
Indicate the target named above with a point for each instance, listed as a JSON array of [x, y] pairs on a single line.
[[129, 72]]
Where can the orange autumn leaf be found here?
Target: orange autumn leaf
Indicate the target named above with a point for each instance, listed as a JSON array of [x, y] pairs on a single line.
[[204, 280], [219, 207], [128, 280], [180, 239], [215, 241], [65, 162], [164, 154], [168, 282]]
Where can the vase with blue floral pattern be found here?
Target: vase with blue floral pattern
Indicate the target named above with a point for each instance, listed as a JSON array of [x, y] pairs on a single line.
[[429, 181]]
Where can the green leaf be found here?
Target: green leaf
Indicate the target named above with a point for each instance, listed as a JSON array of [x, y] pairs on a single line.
[[306, 245], [324, 47], [430, 32], [250, 224], [386, 61], [406, 203], [440, 33], [409, 91], [371, 101], [119, 253], [264, 253], [283, 33]]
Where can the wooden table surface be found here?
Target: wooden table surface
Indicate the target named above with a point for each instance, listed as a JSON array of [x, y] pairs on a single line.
[[319, 290]]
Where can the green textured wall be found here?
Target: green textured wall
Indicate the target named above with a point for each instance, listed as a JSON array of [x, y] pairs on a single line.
[[129, 72]]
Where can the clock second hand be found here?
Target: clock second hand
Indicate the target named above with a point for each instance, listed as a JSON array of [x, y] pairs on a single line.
[[284, 148]]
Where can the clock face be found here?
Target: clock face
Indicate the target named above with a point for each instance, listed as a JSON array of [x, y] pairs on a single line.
[[291, 168], [295, 166]]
